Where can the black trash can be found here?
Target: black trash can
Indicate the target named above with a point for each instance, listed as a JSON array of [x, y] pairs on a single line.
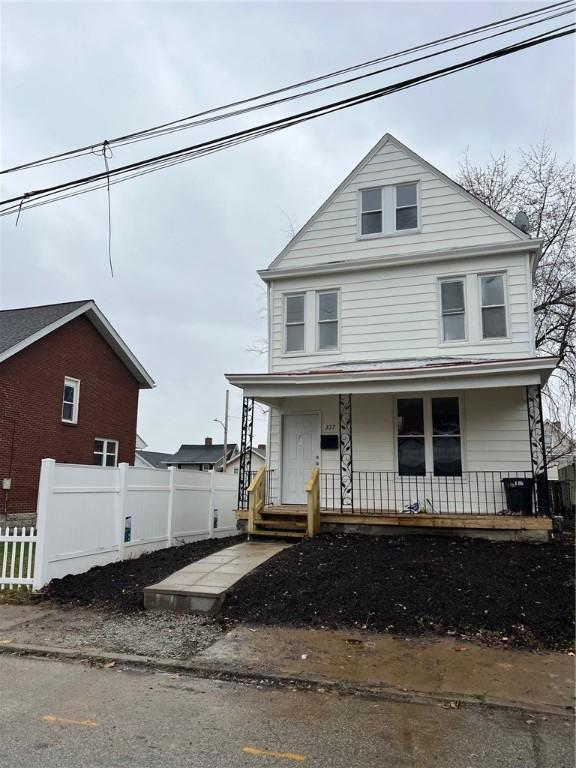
[[518, 492]]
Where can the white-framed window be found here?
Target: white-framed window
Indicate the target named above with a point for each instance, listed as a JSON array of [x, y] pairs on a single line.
[[294, 322], [206, 467], [105, 452], [327, 320], [453, 309], [70, 400], [389, 209], [406, 206], [493, 303], [429, 436]]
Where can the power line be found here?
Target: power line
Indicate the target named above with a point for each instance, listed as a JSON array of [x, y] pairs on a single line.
[[560, 8], [50, 194]]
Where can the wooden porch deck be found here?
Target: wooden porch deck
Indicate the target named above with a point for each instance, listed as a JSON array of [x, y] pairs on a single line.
[[391, 519]]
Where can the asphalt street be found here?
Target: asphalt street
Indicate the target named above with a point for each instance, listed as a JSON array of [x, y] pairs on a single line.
[[55, 714]]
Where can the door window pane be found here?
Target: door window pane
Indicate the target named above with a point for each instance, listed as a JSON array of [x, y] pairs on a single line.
[[411, 456], [411, 416], [493, 322]]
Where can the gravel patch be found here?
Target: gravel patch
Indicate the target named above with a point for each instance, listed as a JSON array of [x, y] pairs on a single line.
[[165, 635]]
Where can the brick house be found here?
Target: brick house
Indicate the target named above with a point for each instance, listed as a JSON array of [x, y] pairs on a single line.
[[69, 390]]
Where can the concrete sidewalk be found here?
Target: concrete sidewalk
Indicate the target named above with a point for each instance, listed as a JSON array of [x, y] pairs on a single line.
[[443, 669]]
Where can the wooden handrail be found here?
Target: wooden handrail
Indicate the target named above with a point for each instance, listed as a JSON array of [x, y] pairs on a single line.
[[256, 498], [313, 503], [256, 479]]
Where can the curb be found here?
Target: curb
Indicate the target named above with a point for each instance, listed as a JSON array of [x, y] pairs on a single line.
[[209, 671]]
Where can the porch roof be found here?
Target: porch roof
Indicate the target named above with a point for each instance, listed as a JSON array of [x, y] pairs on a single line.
[[400, 375]]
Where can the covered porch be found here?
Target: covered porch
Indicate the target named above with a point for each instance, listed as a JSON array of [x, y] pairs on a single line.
[[445, 445]]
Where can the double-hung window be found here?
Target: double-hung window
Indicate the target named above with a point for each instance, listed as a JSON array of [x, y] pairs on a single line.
[[327, 320], [429, 436], [105, 452], [389, 209], [492, 291], [453, 310], [294, 323], [70, 400]]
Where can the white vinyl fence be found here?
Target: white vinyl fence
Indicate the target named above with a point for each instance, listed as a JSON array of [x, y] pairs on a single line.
[[17, 557], [91, 516]]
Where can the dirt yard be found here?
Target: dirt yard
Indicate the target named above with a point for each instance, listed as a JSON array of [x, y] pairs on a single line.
[[518, 594], [119, 585]]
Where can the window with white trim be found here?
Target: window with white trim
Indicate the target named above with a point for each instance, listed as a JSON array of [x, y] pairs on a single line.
[[389, 209], [493, 302], [453, 309], [70, 400], [105, 452], [327, 304], [429, 436], [294, 323]]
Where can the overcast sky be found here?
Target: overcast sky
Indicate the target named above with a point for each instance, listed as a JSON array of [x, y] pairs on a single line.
[[186, 242]]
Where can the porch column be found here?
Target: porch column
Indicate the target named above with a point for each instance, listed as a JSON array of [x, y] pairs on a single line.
[[245, 471], [346, 474], [538, 448]]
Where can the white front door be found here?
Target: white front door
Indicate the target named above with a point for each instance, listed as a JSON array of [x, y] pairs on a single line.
[[300, 452]]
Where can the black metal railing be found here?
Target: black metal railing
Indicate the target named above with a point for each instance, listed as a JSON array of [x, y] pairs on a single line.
[[471, 493], [269, 497]]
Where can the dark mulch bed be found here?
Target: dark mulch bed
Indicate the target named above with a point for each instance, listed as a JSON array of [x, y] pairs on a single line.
[[415, 585], [119, 585]]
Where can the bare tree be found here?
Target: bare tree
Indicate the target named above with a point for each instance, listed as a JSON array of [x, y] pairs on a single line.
[[545, 189]]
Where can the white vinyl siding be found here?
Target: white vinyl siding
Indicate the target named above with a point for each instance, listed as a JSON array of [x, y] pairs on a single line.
[[395, 313], [448, 218]]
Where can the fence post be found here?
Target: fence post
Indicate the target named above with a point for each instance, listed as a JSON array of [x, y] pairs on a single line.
[[42, 512], [171, 494], [211, 504], [122, 470]]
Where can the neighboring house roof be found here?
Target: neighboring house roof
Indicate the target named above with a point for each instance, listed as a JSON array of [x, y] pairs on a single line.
[[389, 139], [19, 328], [260, 452], [200, 454], [154, 458]]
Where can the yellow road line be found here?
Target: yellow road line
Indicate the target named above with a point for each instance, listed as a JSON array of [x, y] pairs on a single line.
[[269, 753], [66, 721]]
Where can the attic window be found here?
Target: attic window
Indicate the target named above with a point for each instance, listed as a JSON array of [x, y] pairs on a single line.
[[390, 209]]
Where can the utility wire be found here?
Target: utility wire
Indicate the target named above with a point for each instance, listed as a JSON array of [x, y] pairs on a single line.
[[559, 8], [50, 194]]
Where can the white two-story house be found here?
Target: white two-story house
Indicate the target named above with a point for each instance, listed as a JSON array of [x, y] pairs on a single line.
[[401, 357]]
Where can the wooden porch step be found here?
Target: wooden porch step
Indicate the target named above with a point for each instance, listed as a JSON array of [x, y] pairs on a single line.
[[285, 511], [280, 534], [285, 525]]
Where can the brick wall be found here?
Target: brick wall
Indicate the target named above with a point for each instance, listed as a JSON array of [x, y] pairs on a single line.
[[31, 427]]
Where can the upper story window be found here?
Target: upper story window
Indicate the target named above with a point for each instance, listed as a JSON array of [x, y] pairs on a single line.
[[493, 300], [70, 400], [385, 210], [327, 320], [294, 323], [105, 452], [453, 310]]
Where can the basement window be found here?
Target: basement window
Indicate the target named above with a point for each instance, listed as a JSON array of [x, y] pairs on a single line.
[[70, 400]]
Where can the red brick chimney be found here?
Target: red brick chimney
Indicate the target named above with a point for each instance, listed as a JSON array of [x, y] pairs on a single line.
[[207, 441]]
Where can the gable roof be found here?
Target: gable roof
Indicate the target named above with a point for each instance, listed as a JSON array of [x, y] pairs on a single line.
[[19, 328], [201, 454], [156, 459], [389, 139]]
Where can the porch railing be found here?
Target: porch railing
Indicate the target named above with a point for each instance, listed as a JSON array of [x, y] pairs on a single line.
[[391, 493], [268, 489]]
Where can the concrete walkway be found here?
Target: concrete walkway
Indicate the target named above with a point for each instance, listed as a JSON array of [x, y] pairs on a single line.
[[200, 587]]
